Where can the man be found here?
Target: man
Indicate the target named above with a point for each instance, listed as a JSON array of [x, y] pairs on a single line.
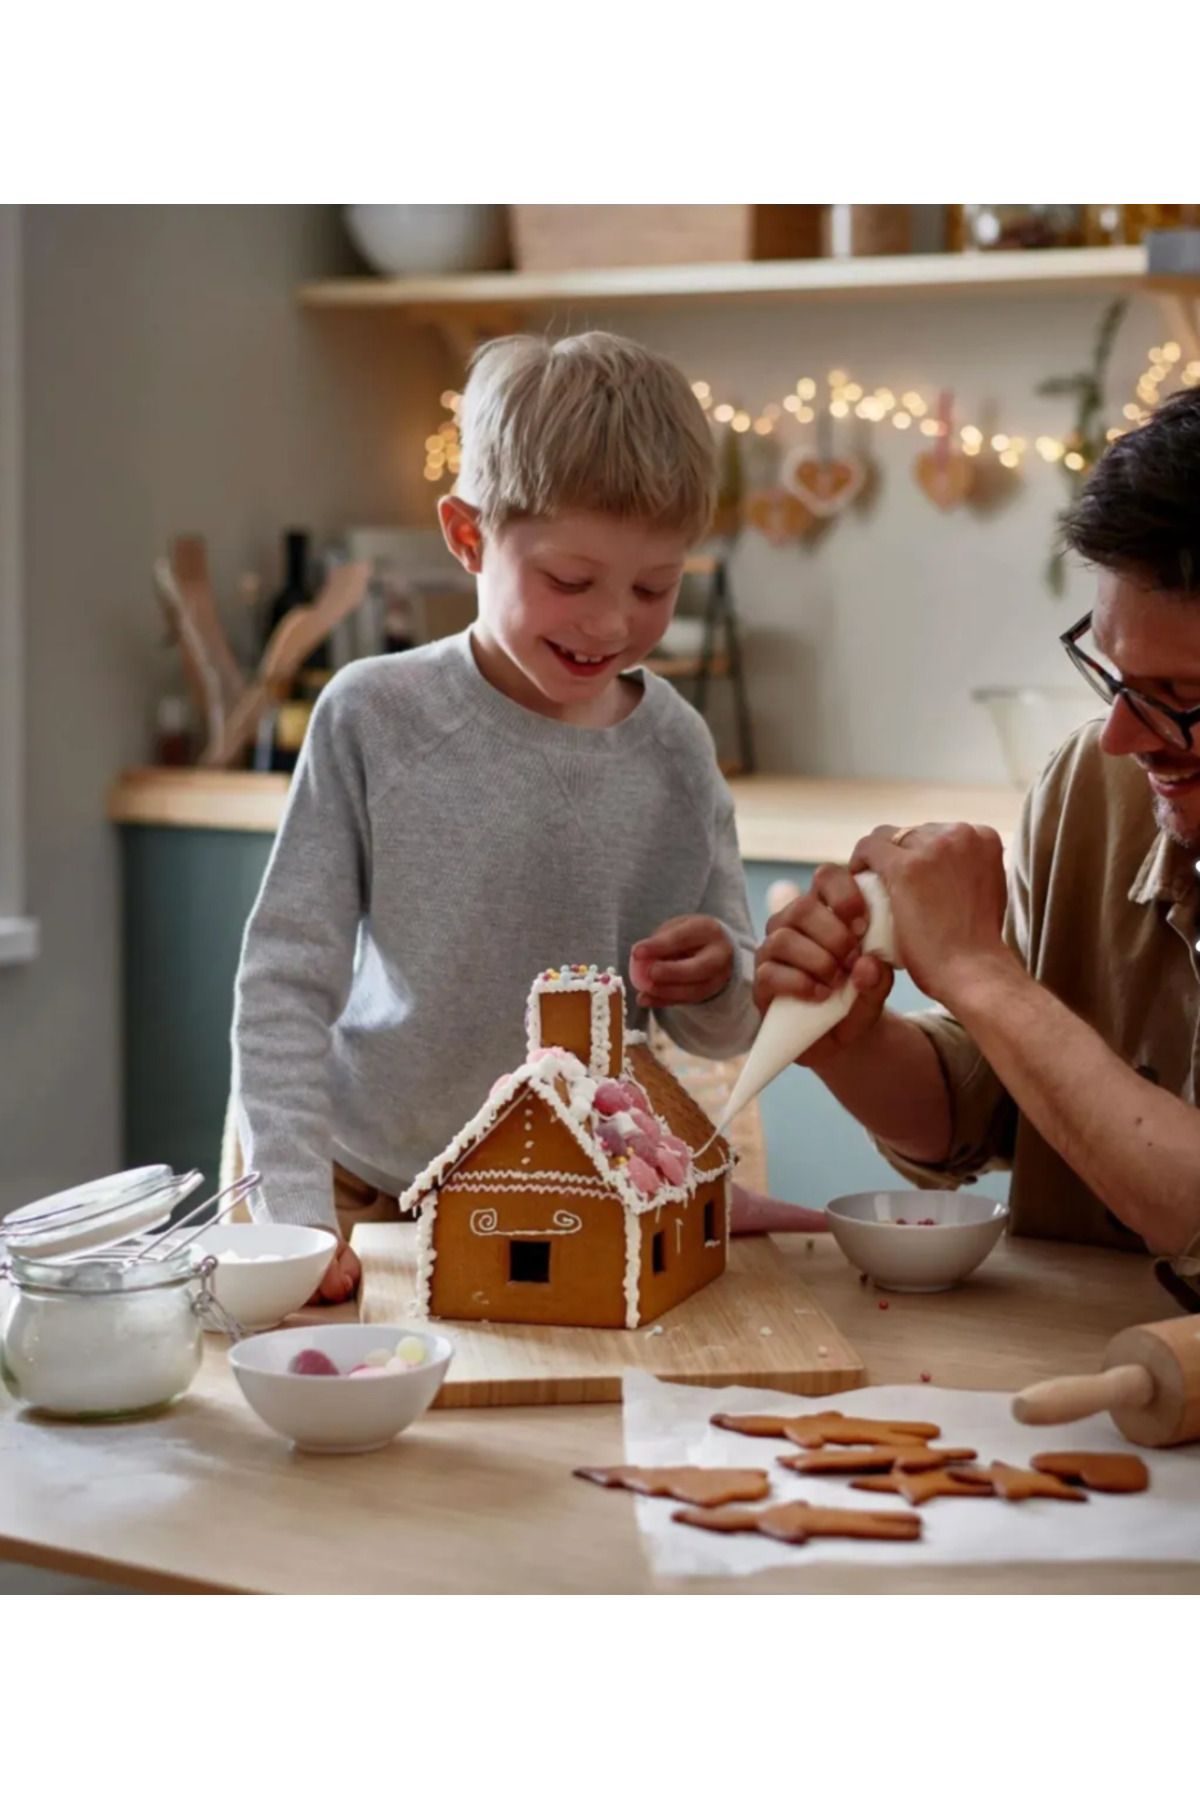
[[1065, 1043]]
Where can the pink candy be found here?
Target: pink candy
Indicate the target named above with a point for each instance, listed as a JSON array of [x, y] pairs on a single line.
[[368, 1369], [311, 1362], [645, 1179], [611, 1137], [647, 1123], [610, 1099], [671, 1167], [634, 1095]]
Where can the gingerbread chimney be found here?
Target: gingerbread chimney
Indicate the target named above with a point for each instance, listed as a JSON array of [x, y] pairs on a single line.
[[580, 1008]]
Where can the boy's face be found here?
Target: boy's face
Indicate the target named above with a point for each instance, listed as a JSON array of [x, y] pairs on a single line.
[[566, 604]]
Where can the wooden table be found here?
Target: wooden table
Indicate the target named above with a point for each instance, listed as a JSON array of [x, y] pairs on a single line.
[[206, 1499]]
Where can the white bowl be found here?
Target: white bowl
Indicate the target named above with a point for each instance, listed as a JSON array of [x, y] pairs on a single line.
[[429, 240], [1031, 723], [333, 1413], [913, 1258], [261, 1294]]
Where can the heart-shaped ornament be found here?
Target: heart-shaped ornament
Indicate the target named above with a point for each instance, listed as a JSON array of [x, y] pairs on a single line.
[[825, 487], [780, 516], [945, 476]]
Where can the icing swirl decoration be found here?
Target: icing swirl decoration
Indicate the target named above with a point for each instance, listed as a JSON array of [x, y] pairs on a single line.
[[486, 1223]]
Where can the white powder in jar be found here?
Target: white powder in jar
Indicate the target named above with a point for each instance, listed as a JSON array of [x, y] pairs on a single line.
[[82, 1354]]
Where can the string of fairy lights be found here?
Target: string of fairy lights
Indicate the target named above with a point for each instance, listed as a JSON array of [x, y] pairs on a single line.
[[845, 397]]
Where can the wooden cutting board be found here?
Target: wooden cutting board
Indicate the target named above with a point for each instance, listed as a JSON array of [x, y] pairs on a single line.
[[758, 1326]]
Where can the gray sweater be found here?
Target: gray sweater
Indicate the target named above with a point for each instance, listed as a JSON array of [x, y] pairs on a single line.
[[441, 846]]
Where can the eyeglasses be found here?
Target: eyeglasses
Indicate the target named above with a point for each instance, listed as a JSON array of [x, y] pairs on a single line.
[[1167, 722]]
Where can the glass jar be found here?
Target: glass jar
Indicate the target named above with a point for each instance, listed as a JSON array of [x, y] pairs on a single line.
[[102, 1337]]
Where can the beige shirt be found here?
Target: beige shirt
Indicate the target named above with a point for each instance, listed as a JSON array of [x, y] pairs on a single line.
[[1104, 910]]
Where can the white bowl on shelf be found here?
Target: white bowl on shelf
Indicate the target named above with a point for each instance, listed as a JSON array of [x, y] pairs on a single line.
[[880, 1233], [429, 240], [255, 1294], [339, 1414]]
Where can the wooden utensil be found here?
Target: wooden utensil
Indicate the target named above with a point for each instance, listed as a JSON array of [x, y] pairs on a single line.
[[293, 640], [1150, 1387], [189, 564]]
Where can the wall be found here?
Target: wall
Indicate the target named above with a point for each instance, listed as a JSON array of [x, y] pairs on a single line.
[[170, 384], [864, 649]]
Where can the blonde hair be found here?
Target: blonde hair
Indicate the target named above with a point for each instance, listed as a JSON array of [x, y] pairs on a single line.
[[592, 423]]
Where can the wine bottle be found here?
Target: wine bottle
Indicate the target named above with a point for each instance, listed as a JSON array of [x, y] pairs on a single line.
[[297, 590]]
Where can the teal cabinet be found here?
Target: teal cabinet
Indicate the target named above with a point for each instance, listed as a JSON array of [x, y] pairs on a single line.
[[187, 895], [815, 1150]]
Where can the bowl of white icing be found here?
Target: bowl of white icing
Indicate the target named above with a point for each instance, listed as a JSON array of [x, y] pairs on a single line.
[[265, 1272]]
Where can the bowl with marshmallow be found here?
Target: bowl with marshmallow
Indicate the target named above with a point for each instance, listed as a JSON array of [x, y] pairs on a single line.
[[341, 1388]]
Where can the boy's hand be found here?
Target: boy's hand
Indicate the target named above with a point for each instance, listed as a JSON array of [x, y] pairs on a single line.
[[340, 1280], [686, 960], [812, 948]]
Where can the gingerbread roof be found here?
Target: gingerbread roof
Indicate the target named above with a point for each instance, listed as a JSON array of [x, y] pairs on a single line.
[[560, 1080], [672, 1102]]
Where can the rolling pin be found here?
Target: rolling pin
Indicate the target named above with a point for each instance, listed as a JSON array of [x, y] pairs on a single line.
[[791, 1027], [1150, 1387]]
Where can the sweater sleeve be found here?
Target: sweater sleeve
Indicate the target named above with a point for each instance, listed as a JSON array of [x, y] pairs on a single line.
[[295, 972], [725, 1025]]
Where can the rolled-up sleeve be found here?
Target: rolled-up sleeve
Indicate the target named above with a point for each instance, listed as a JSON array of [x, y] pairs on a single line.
[[982, 1112]]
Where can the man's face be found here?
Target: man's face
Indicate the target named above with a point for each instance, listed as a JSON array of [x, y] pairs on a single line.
[[1152, 641], [566, 604]]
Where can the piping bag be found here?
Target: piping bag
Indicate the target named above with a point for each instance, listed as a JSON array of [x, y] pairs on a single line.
[[791, 1027]]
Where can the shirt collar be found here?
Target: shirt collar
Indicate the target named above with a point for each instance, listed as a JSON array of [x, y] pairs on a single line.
[[1169, 873]]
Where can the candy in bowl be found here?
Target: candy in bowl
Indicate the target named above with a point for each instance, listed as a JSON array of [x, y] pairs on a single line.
[[341, 1387]]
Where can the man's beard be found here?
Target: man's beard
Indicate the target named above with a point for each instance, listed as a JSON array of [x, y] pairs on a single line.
[[1186, 836]]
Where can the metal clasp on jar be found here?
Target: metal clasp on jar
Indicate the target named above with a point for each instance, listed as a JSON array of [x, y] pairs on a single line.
[[208, 1308]]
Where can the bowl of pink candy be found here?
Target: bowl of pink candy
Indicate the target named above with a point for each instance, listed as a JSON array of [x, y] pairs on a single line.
[[341, 1388], [916, 1242]]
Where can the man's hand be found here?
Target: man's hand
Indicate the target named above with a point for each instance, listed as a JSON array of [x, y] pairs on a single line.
[[686, 960], [812, 946], [340, 1280], [947, 888]]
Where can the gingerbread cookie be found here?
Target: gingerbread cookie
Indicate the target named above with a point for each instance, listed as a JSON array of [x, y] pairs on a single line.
[[795, 1522], [1104, 1472], [1011, 1483], [880, 1459], [769, 1425], [919, 1485], [820, 1429], [699, 1487]]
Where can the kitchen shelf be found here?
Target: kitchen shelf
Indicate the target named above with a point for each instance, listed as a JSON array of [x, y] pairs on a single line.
[[867, 277]]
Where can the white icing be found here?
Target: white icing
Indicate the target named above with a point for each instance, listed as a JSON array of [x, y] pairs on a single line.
[[633, 1268], [486, 1223]]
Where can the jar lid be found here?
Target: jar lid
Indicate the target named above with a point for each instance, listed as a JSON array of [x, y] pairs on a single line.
[[98, 1214]]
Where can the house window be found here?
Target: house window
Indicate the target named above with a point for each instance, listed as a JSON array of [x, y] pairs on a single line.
[[658, 1252], [710, 1221], [528, 1261]]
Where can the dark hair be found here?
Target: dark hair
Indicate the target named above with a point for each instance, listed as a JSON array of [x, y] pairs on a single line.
[[1139, 512]]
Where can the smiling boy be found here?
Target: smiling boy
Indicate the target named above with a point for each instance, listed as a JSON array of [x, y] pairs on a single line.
[[483, 807]]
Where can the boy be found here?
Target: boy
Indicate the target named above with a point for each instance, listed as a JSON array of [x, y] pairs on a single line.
[[470, 812]]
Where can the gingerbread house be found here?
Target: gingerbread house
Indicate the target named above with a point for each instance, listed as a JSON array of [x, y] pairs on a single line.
[[589, 1189]]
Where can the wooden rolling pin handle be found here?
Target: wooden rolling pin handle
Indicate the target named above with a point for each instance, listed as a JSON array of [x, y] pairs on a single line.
[[1079, 1396]]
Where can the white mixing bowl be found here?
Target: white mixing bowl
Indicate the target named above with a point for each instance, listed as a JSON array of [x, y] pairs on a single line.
[[912, 1258], [339, 1413], [261, 1294]]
